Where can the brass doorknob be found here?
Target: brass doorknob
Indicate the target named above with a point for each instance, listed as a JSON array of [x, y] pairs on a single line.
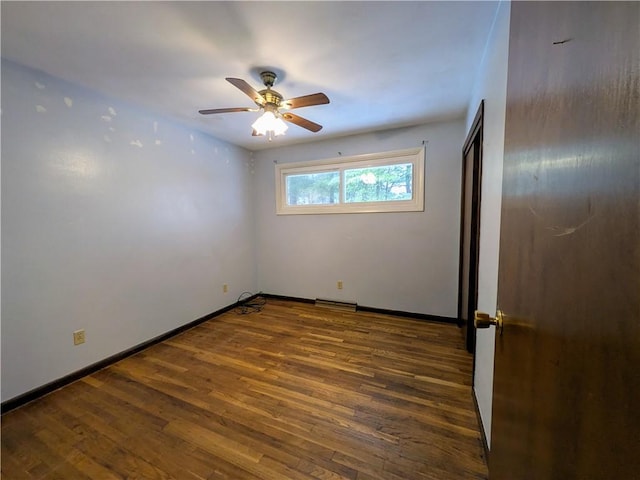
[[484, 320]]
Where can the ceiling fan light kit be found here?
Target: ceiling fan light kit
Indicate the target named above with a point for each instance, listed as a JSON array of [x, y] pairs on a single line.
[[272, 122]]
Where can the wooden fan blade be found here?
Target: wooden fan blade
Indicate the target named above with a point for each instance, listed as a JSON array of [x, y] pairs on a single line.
[[247, 89], [302, 122], [306, 101], [225, 110]]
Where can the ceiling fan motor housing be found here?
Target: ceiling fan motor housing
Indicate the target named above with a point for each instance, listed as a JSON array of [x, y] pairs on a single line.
[[271, 97]]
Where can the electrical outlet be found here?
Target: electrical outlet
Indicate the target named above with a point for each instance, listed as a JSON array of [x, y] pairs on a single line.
[[339, 284], [78, 337], [225, 288]]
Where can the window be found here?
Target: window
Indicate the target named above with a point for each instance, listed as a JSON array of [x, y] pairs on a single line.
[[376, 182]]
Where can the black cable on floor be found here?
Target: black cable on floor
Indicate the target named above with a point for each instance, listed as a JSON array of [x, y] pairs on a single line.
[[247, 304]]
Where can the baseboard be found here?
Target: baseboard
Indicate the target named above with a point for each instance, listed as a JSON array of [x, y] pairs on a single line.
[[287, 298], [397, 313], [483, 436], [39, 392], [417, 316]]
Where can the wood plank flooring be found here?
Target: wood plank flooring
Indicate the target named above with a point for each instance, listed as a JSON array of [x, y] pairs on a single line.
[[292, 392]]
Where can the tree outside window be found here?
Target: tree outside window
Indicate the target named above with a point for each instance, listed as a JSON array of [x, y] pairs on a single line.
[[378, 184]]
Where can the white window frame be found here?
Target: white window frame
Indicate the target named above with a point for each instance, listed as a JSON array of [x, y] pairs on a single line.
[[415, 156]]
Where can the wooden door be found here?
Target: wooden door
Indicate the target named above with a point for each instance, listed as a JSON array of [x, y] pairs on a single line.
[[567, 366], [470, 229]]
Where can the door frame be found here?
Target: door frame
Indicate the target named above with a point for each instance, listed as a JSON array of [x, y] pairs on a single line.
[[473, 141]]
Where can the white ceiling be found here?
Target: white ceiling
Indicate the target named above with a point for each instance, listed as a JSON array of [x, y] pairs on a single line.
[[382, 64]]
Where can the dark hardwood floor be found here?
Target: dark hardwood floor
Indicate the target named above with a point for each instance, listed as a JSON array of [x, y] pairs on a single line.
[[292, 392]]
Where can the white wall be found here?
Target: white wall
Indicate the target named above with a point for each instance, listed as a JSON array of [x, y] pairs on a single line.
[[491, 86], [115, 221], [400, 261]]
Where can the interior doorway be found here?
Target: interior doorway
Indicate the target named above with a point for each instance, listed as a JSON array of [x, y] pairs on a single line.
[[470, 229]]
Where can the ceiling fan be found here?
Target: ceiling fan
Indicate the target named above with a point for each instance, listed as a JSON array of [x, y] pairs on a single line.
[[272, 121]]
